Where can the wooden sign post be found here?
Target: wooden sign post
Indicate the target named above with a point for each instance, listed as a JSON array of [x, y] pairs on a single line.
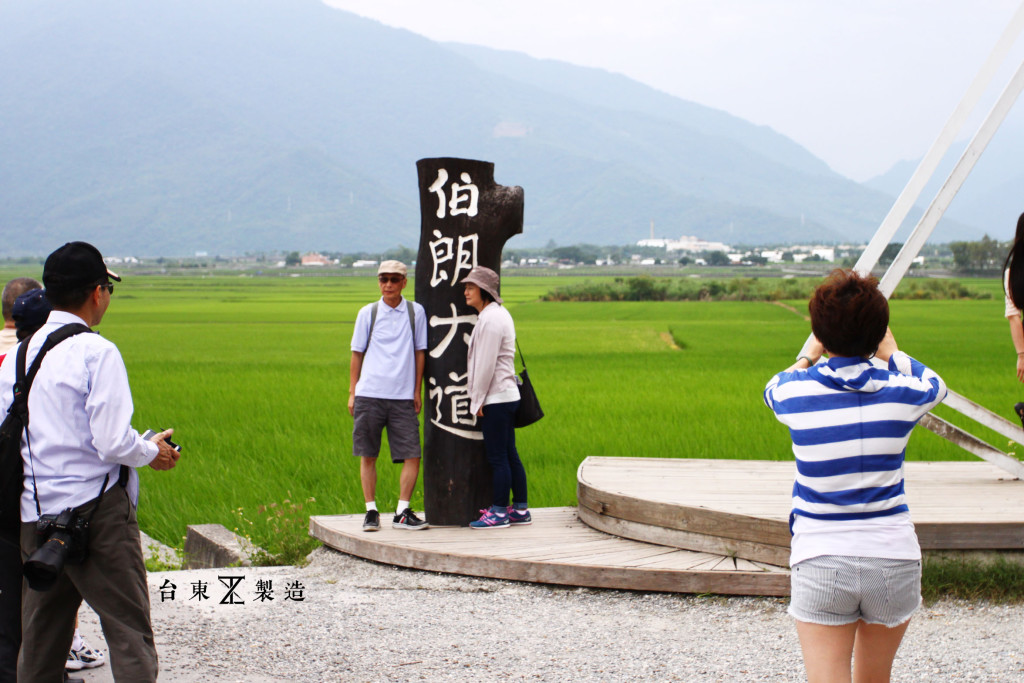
[[465, 221]]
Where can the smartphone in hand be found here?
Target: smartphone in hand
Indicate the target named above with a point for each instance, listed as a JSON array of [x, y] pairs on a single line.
[[150, 434]]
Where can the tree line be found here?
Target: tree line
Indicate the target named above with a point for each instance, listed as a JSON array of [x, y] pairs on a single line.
[[983, 256]]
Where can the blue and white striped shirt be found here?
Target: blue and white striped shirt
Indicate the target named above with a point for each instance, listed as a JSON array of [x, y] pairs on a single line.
[[850, 422]]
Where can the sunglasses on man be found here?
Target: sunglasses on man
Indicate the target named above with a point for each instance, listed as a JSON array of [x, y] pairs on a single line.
[[393, 279]]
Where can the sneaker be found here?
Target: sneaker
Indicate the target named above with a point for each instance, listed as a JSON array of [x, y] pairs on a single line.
[[1019, 409], [519, 517], [84, 658], [408, 520], [490, 520], [371, 522]]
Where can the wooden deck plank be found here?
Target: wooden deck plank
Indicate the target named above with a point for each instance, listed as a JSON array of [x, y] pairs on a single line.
[[620, 557], [686, 526], [681, 559], [601, 560], [741, 508]]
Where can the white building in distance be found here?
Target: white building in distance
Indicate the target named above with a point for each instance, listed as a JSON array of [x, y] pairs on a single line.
[[684, 243]]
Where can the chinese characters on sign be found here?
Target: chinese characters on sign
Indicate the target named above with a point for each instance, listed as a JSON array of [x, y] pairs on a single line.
[[233, 590], [451, 407], [468, 193], [451, 259], [462, 259]]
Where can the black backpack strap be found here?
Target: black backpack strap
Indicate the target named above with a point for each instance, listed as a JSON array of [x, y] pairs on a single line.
[[373, 321], [56, 337], [412, 323], [18, 405], [23, 380]]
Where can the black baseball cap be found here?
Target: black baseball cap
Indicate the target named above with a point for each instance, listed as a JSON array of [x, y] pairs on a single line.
[[76, 265]]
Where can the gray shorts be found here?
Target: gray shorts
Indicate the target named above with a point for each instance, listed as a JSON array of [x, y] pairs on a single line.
[[372, 415], [833, 590]]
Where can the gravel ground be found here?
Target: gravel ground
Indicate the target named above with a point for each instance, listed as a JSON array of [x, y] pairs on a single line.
[[362, 621]]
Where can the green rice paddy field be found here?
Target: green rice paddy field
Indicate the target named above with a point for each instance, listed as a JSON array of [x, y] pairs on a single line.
[[252, 372]]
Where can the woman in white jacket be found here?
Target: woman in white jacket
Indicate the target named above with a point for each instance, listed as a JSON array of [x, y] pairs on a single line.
[[494, 397]]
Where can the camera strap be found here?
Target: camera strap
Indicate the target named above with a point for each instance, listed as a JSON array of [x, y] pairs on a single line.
[[23, 382]]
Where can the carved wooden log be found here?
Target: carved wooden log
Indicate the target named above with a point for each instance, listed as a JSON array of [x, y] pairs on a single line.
[[466, 220]]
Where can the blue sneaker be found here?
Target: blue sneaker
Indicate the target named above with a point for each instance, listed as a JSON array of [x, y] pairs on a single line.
[[519, 517], [490, 520]]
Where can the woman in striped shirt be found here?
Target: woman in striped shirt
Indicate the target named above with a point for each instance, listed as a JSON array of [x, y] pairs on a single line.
[[856, 562]]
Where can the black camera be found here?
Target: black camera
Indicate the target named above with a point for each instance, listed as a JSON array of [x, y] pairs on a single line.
[[62, 539]]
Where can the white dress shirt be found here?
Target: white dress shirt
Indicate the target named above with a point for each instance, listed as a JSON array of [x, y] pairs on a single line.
[[80, 410]]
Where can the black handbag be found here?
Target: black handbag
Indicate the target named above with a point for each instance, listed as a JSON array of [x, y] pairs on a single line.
[[529, 410]]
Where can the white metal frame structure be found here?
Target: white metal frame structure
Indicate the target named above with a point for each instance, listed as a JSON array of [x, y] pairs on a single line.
[[923, 229]]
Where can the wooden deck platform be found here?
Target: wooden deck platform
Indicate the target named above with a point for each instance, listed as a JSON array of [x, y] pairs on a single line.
[[688, 526], [557, 548], [741, 507]]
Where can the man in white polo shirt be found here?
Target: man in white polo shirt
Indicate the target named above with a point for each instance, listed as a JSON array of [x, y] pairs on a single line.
[[388, 351]]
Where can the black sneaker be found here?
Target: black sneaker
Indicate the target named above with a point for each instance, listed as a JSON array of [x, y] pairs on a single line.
[[1019, 409], [371, 522], [407, 519]]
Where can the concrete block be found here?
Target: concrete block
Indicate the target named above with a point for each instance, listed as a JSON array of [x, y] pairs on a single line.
[[213, 545], [154, 549]]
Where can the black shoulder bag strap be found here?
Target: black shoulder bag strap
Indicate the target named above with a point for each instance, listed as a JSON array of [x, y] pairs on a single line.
[[23, 380], [521, 359]]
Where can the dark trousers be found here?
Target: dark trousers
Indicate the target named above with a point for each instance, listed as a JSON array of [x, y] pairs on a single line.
[[10, 609], [112, 580], [500, 445]]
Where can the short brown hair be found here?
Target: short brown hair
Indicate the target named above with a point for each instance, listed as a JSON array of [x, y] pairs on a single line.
[[849, 315], [13, 290]]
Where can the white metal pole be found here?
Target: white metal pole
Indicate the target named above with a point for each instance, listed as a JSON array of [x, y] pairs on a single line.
[[926, 169], [952, 185]]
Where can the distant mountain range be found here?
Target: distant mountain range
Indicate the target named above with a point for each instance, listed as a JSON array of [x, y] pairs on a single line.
[[168, 127], [992, 197]]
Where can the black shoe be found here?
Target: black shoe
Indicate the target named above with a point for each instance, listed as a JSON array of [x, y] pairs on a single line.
[[407, 519], [371, 522], [1019, 409]]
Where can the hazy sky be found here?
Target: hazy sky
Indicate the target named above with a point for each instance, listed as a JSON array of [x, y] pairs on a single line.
[[860, 84]]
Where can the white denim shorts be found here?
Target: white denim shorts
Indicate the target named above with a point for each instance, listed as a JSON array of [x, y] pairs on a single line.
[[833, 590]]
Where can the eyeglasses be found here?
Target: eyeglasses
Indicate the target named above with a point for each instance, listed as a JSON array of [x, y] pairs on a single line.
[[394, 279], [109, 287]]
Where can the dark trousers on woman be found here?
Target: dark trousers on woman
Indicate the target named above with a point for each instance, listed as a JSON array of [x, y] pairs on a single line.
[[497, 425]]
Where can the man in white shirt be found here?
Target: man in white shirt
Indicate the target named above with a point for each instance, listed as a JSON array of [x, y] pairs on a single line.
[[388, 352], [79, 452], [12, 290]]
